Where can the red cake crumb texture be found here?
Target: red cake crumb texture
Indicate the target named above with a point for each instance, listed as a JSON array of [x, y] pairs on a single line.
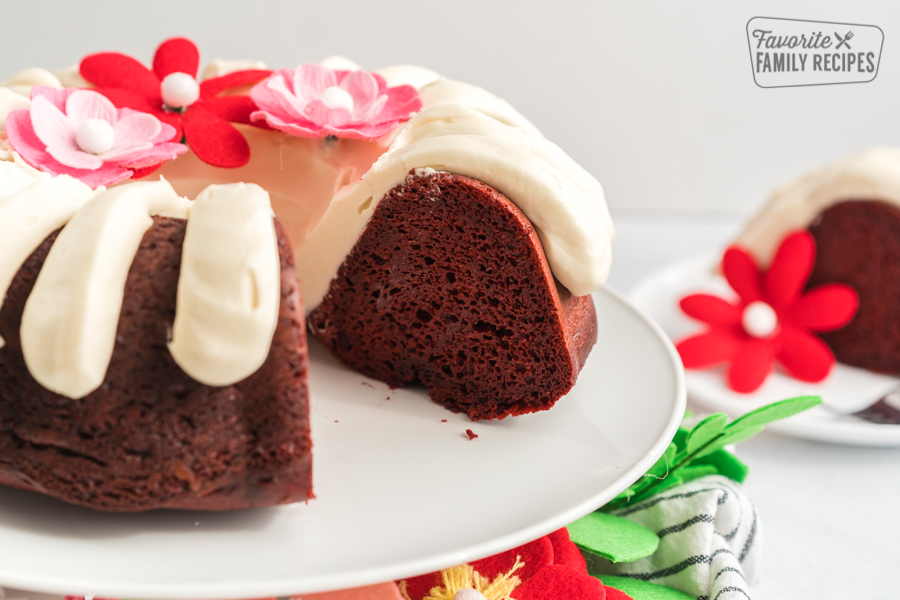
[[150, 436], [448, 285], [471, 434]]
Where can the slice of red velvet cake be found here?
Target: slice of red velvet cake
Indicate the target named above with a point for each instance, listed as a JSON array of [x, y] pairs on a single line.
[[852, 210], [449, 286]]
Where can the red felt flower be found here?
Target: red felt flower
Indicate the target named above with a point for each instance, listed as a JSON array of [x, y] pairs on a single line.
[[772, 320], [549, 568], [171, 93]]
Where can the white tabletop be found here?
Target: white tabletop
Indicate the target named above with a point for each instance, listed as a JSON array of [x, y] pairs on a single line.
[[829, 512]]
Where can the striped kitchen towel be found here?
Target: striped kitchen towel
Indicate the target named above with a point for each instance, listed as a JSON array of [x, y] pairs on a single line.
[[710, 540]]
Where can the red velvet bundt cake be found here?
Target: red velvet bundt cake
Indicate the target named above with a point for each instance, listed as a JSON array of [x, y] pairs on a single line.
[[155, 346], [852, 209]]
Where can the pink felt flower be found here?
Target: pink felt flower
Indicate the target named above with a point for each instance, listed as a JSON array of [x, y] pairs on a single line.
[[773, 318], [314, 101], [81, 133]]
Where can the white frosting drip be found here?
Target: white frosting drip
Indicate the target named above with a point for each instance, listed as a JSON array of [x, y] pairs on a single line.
[[220, 67], [30, 210], [446, 91], [69, 324], [22, 82], [71, 77], [870, 175], [339, 63], [10, 101], [573, 234], [228, 289], [418, 77], [451, 119]]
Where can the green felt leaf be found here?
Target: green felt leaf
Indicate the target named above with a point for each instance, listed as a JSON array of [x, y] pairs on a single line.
[[730, 437], [705, 431], [662, 466], [774, 412], [726, 464], [642, 590], [693, 472], [614, 538]]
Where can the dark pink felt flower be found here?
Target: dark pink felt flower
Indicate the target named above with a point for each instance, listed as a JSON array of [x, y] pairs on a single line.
[[314, 101]]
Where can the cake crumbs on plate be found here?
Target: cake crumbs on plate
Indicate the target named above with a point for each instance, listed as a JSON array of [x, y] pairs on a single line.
[[443, 420], [471, 434]]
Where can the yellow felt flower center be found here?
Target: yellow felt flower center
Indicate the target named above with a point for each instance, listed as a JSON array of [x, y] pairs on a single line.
[[464, 577]]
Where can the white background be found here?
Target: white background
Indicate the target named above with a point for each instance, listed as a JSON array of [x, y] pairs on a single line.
[[656, 99]]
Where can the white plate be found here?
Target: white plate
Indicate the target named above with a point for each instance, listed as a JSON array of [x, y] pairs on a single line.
[[846, 390], [399, 492]]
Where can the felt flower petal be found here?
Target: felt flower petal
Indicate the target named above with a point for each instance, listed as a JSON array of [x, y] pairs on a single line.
[[136, 128], [751, 364], [147, 156], [320, 113], [57, 97], [273, 97], [418, 587], [126, 99], [177, 55], [236, 109], [74, 158], [308, 81], [25, 141], [51, 125], [114, 70], [87, 104], [362, 86], [711, 309], [559, 582], [138, 173], [742, 274], [825, 308], [707, 349], [790, 270], [403, 100], [804, 355], [217, 85], [213, 139], [535, 556], [565, 552]]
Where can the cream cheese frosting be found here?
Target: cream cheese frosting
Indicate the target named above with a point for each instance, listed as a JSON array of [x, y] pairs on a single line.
[[447, 91], [228, 289], [573, 234], [30, 210], [870, 175], [69, 324]]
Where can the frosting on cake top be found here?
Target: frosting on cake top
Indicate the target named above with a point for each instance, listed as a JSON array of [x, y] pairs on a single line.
[[870, 175]]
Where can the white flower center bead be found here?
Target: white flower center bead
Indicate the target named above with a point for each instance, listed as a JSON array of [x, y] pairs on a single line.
[[337, 97], [179, 90], [95, 136], [759, 319], [468, 594]]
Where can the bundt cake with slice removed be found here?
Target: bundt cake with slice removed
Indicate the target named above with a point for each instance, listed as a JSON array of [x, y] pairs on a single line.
[[150, 360], [852, 210], [150, 434], [448, 285]]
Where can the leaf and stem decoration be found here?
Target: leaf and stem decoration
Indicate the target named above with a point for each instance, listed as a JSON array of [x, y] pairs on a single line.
[[695, 452]]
